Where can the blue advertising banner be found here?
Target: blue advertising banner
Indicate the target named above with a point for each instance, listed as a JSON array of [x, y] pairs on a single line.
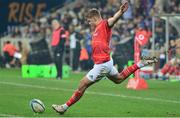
[[14, 12]]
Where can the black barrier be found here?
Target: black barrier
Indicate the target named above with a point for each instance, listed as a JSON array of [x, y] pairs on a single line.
[[123, 53]]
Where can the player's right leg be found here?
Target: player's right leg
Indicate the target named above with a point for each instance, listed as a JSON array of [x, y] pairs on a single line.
[[88, 80], [84, 84]]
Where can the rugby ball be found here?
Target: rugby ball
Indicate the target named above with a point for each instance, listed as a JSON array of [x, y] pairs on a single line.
[[37, 106]]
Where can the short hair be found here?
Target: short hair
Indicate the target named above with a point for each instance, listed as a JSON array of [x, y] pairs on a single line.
[[55, 21], [8, 42], [93, 13]]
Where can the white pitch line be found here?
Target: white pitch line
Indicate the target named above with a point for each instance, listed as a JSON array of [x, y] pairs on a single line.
[[7, 115], [91, 92]]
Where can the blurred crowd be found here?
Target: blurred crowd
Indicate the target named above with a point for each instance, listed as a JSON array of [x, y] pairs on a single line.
[[72, 18]]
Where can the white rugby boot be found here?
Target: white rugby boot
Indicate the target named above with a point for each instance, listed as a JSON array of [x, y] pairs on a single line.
[[59, 109]]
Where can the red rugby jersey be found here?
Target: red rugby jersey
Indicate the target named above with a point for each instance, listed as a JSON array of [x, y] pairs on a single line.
[[56, 36], [10, 48], [100, 42]]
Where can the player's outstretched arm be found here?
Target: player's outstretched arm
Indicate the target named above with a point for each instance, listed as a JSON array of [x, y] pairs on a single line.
[[123, 8]]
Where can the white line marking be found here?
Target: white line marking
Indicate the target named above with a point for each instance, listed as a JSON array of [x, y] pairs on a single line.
[[7, 115], [91, 92]]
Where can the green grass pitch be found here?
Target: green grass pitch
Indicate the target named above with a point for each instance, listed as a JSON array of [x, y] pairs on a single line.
[[104, 99]]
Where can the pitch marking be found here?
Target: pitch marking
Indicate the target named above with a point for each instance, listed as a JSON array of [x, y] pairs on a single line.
[[91, 92]]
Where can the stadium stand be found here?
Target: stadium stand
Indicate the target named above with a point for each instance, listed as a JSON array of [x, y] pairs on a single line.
[[71, 15]]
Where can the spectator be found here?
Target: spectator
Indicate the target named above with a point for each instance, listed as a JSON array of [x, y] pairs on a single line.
[[162, 57], [11, 54], [83, 58], [76, 50], [24, 49], [172, 67]]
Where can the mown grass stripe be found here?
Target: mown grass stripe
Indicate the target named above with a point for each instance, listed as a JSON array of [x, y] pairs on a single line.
[[93, 93]]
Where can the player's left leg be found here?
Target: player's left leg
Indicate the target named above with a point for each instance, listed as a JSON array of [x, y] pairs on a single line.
[[118, 77]]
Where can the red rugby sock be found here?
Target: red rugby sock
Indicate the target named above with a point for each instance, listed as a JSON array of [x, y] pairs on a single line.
[[165, 69], [172, 70], [128, 71], [74, 98]]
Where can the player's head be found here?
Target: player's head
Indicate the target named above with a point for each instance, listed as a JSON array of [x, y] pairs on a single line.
[[93, 16], [8, 42], [55, 24]]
